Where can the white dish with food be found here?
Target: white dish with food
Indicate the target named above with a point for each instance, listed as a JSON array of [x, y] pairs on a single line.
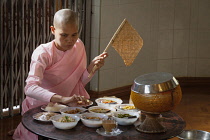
[[93, 119], [52, 107], [101, 109], [126, 107], [125, 117], [72, 110], [68, 121], [44, 116], [108, 101]]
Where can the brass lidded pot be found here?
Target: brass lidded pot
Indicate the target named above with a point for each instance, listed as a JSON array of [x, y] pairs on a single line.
[[154, 93]]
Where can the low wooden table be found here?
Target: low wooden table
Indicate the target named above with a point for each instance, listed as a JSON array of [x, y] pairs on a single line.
[[172, 122]]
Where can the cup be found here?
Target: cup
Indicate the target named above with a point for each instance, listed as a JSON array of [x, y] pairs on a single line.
[[109, 125]]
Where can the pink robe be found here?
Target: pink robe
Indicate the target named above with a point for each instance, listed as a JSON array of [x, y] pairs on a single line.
[[53, 72]]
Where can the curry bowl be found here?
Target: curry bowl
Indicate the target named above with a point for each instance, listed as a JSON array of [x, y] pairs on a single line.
[[93, 119], [68, 121], [101, 109], [72, 110], [108, 101], [125, 117], [126, 107]]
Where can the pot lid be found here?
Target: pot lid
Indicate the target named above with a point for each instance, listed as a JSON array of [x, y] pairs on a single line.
[[154, 83]]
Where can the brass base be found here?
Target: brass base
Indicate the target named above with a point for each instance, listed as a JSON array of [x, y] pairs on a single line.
[[151, 124]]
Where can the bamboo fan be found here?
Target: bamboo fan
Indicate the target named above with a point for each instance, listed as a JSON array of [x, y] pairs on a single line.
[[127, 42]]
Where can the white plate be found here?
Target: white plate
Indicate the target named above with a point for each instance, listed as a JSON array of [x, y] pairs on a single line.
[[57, 109], [102, 132], [44, 116]]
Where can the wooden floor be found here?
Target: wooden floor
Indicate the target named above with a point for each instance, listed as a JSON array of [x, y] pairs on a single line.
[[194, 109]]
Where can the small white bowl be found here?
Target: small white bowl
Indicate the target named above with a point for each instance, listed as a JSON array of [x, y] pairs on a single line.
[[93, 122], [63, 110], [125, 107], [126, 120], [64, 125], [109, 109], [101, 101]]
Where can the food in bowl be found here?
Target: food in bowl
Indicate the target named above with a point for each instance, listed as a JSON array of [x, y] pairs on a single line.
[[100, 109], [105, 101], [65, 121], [126, 107], [125, 117], [108, 101], [93, 119], [72, 110]]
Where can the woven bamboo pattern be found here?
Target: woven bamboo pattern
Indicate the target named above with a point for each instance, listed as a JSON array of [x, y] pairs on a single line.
[[127, 43]]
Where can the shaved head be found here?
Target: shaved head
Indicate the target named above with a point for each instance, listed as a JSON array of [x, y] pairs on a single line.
[[65, 16]]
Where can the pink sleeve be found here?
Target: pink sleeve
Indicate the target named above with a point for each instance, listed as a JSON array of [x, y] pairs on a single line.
[[37, 92], [85, 79], [35, 76]]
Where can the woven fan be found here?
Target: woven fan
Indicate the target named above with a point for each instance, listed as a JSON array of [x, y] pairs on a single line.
[[127, 42]]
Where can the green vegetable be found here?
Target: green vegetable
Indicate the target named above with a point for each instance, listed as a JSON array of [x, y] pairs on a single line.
[[123, 115]]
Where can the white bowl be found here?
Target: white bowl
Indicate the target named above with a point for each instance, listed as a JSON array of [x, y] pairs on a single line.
[[125, 107], [93, 122], [109, 109], [63, 110], [100, 101], [126, 120], [64, 125]]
